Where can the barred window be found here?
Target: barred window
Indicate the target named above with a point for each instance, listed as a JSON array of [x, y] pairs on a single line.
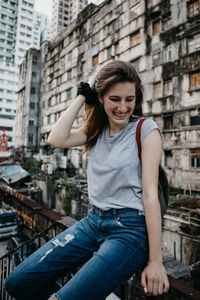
[[168, 87], [95, 60], [194, 8], [135, 38], [157, 28], [157, 91], [195, 158], [194, 81]]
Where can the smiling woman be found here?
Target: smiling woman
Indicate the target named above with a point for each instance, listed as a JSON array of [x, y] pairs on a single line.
[[122, 231], [119, 104]]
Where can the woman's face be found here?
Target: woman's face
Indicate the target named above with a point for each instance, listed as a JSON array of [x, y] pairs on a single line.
[[119, 104]]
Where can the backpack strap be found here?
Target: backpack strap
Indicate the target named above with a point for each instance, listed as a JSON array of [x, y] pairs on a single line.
[[138, 134]]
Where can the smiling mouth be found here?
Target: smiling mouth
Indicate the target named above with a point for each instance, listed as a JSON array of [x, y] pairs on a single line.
[[120, 115]]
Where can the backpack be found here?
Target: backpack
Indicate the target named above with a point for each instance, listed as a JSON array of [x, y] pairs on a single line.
[[163, 185]]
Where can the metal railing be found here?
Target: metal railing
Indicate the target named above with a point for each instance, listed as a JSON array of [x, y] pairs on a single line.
[[9, 261], [131, 290]]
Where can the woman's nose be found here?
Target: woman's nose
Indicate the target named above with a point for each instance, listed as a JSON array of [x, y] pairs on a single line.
[[122, 107]]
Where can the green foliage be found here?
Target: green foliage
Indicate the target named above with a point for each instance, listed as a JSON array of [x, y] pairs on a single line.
[[31, 165], [72, 193]]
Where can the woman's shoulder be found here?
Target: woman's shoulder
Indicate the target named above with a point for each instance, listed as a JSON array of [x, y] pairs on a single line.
[[147, 122], [147, 126]]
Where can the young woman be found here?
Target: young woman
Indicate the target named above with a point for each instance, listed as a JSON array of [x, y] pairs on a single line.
[[122, 231]]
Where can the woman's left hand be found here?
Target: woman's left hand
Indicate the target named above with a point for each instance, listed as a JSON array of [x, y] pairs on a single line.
[[154, 279]]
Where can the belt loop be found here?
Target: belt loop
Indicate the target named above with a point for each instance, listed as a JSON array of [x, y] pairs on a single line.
[[114, 211]]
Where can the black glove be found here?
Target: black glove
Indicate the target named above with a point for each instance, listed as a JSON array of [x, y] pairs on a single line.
[[85, 90]]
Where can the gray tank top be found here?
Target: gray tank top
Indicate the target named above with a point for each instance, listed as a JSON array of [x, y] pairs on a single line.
[[114, 169]]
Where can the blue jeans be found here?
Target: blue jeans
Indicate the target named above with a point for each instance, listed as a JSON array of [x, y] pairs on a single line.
[[111, 245]]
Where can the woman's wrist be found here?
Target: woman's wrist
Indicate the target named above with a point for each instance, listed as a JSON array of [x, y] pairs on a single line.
[[81, 98], [157, 260]]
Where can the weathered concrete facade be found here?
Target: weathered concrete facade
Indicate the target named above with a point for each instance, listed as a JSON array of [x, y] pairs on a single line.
[[27, 116], [162, 40]]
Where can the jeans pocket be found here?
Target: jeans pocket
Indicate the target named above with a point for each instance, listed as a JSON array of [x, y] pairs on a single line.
[[132, 222]]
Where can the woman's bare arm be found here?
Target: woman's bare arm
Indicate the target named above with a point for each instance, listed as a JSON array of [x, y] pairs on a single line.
[[154, 278], [62, 135]]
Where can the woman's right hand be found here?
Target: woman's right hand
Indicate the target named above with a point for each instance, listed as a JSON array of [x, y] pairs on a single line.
[[154, 279], [85, 90]]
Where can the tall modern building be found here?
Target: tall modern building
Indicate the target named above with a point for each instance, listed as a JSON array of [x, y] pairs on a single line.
[[21, 28], [8, 74], [63, 13], [24, 29], [41, 30]]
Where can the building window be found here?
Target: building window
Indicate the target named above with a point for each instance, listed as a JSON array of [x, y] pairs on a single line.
[[157, 91], [168, 121], [194, 81], [194, 43], [116, 25], [95, 38], [156, 28], [32, 105], [135, 11], [81, 67], [69, 93], [58, 98], [195, 158], [95, 60], [48, 119], [195, 120], [157, 59], [3, 128], [30, 137], [167, 54], [135, 39], [70, 56], [166, 23], [117, 49], [70, 37], [34, 74], [49, 102], [58, 80], [168, 158], [167, 87], [31, 122], [33, 90], [69, 74], [194, 8], [109, 52]]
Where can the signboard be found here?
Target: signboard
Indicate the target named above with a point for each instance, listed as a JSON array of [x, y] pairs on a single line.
[[4, 142]]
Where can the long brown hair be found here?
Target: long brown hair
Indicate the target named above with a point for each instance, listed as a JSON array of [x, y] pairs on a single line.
[[95, 117]]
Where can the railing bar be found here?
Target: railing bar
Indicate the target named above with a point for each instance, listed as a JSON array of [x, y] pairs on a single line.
[[1, 278]]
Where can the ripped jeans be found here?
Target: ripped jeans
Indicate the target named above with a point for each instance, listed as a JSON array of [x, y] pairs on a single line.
[[109, 245]]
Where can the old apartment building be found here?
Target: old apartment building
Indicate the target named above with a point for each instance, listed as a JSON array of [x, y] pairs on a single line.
[[27, 117], [162, 40]]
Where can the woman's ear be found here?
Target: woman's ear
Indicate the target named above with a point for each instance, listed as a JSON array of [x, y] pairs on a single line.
[[100, 99]]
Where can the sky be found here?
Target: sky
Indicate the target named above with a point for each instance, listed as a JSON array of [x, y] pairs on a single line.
[[45, 6]]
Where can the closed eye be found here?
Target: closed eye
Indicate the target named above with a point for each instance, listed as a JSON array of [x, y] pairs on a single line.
[[130, 99], [118, 99]]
